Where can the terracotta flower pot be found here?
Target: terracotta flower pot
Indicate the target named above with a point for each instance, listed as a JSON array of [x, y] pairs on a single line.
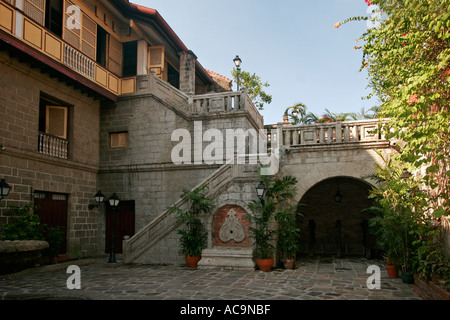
[[264, 264], [289, 263], [391, 271], [192, 262]]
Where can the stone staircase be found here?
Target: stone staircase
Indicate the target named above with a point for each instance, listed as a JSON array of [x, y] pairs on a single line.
[[225, 185]]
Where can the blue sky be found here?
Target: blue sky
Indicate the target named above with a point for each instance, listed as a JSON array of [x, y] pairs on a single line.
[[292, 44]]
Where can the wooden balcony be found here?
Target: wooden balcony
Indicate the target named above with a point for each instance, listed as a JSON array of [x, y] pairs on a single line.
[[15, 23]]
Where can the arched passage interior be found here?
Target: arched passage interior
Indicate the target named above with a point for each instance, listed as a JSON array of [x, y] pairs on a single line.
[[333, 222]]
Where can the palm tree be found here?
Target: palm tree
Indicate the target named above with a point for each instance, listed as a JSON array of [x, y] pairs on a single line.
[[333, 117], [369, 114], [298, 112]]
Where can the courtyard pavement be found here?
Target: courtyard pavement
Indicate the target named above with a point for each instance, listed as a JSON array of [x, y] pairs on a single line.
[[312, 279]]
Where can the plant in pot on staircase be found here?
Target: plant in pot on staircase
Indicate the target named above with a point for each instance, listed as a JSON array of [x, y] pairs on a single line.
[[262, 230], [193, 236]]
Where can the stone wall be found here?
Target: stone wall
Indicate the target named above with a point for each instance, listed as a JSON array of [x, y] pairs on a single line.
[[311, 165], [27, 171], [144, 171]]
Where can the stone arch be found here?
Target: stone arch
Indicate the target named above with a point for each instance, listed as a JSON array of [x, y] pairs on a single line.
[[331, 227]]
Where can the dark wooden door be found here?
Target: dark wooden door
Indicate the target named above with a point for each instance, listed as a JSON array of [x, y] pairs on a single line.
[[124, 224], [52, 209]]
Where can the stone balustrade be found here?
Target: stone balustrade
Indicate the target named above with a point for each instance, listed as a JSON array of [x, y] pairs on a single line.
[[330, 133], [199, 105], [52, 146]]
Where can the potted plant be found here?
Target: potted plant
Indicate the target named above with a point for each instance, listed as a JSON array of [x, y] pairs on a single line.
[[262, 233], [288, 235], [262, 229], [397, 215], [193, 236], [55, 237]]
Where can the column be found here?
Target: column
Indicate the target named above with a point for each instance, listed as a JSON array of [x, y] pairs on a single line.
[[187, 72]]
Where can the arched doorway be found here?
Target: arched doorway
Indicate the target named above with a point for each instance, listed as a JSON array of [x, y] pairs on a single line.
[[333, 222]]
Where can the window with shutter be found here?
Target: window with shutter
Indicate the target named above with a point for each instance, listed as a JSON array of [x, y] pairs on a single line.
[[115, 56], [156, 60], [56, 121], [119, 140], [88, 36], [35, 10], [71, 35]]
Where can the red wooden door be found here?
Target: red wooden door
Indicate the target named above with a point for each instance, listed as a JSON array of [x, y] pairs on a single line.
[[52, 209], [124, 219]]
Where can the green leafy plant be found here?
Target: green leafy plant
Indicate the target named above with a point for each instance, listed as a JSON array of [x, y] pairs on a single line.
[[23, 225], [193, 236], [398, 215], [54, 235], [288, 241], [254, 85], [276, 196], [407, 56], [26, 225]]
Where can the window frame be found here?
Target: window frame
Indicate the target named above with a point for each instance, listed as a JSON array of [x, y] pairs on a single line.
[[120, 136]]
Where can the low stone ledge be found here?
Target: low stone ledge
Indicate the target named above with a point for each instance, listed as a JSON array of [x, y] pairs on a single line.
[[8, 246], [17, 255], [227, 258]]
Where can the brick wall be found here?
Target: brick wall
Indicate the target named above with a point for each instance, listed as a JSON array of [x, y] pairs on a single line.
[[27, 171]]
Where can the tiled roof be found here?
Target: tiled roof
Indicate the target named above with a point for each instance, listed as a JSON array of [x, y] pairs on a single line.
[[218, 76]]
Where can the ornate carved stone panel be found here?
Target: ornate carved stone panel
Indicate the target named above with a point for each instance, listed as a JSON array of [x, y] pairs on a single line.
[[230, 227]]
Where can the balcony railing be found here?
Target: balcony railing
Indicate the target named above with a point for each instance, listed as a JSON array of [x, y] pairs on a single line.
[[199, 105], [15, 22], [79, 62], [52, 146], [330, 133]]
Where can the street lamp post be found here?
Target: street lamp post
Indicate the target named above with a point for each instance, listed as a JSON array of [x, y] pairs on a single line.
[[237, 62], [113, 202]]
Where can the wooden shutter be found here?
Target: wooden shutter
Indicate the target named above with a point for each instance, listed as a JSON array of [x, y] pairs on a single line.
[[56, 121], [115, 56], [35, 10], [72, 36], [119, 140], [83, 38], [88, 36], [156, 60]]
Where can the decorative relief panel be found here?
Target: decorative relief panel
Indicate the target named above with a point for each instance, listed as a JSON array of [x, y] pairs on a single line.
[[231, 227]]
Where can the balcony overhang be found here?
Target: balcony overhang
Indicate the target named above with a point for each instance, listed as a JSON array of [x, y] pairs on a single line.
[[24, 52]]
